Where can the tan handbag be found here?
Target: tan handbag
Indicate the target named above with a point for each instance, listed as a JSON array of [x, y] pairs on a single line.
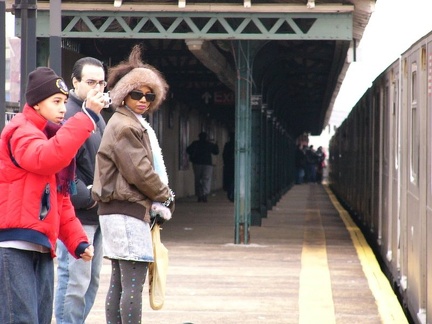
[[158, 271]]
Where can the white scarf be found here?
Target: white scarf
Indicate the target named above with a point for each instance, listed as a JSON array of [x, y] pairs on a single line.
[[158, 161]]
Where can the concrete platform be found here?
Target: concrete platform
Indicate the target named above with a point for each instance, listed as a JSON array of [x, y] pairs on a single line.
[[301, 266]]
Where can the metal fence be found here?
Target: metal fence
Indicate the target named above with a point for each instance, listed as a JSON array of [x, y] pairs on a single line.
[[12, 108]]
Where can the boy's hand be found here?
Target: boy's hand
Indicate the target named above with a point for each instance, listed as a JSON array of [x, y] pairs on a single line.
[[88, 253]]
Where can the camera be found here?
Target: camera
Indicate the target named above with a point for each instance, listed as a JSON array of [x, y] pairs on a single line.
[[107, 99]]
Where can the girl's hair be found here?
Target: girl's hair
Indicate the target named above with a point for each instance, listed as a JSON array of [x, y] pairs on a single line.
[[134, 61]]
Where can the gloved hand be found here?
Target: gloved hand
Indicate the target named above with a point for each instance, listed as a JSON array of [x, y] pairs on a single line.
[[159, 213]]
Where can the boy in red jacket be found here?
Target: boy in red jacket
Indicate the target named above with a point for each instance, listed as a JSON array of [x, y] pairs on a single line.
[[36, 181]]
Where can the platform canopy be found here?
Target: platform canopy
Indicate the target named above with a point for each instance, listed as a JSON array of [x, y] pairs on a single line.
[[299, 47]]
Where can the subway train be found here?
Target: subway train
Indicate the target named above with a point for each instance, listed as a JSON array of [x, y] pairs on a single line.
[[380, 168]]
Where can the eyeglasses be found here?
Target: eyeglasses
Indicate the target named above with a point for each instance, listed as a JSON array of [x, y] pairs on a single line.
[[92, 83], [137, 95]]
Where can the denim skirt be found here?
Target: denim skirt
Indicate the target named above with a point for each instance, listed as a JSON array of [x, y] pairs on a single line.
[[126, 238]]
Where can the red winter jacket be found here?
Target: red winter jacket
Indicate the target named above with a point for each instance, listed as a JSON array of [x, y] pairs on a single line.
[[31, 208]]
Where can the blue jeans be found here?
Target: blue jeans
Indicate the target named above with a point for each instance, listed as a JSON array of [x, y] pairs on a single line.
[[77, 280], [27, 284]]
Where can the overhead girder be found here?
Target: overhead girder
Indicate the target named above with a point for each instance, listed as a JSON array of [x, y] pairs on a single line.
[[201, 25]]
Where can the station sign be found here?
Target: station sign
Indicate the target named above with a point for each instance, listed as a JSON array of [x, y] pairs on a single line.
[[219, 98]]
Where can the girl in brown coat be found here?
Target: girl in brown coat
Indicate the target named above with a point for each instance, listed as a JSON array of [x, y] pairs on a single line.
[[130, 182]]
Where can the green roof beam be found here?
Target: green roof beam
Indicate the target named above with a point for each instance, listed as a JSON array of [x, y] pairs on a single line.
[[200, 25]]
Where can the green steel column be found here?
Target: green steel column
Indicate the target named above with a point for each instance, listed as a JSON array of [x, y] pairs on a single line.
[[256, 165], [55, 51], [26, 11], [243, 144], [268, 154], [277, 163], [263, 161], [273, 184]]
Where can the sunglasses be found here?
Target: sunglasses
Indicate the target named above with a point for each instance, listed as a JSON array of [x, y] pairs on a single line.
[[137, 95]]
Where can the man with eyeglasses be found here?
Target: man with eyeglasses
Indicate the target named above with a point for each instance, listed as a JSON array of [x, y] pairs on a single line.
[[78, 281]]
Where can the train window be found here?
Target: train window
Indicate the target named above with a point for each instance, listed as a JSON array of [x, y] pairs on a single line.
[[396, 123], [423, 58], [415, 144], [386, 116]]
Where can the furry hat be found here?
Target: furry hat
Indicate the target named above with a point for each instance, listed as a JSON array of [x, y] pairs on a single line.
[[135, 79]]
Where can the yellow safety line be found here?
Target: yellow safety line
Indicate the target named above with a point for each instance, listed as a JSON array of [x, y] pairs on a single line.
[[315, 291], [389, 307]]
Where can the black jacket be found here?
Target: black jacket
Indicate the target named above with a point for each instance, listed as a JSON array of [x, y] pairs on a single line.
[[200, 152], [85, 166]]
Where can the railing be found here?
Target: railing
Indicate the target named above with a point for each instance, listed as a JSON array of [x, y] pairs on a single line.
[[9, 115], [12, 108]]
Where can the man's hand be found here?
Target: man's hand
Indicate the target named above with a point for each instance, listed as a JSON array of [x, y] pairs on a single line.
[[88, 253], [95, 100]]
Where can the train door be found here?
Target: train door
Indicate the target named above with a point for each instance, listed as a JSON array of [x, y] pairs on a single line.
[[403, 175], [428, 54], [367, 187], [361, 166], [421, 234], [378, 160], [375, 187], [385, 197], [366, 167], [394, 161], [358, 160], [416, 170]]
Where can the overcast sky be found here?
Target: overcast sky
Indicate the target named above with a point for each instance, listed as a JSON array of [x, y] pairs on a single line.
[[393, 27]]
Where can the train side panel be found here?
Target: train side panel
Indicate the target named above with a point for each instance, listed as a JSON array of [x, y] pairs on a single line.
[[381, 169], [415, 83], [429, 184]]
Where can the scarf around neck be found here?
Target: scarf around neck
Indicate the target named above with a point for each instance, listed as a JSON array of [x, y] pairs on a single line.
[[158, 161], [65, 178]]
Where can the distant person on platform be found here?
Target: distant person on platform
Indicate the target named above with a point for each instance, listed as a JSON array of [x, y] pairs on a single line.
[[321, 156], [300, 163], [200, 154], [311, 163]]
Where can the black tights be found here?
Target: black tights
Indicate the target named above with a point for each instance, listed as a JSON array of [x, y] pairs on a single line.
[[124, 299]]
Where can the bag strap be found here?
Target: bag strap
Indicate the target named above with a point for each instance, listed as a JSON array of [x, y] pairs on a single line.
[[156, 233], [152, 223]]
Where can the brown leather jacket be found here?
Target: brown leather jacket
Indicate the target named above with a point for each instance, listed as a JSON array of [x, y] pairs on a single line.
[[125, 181]]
